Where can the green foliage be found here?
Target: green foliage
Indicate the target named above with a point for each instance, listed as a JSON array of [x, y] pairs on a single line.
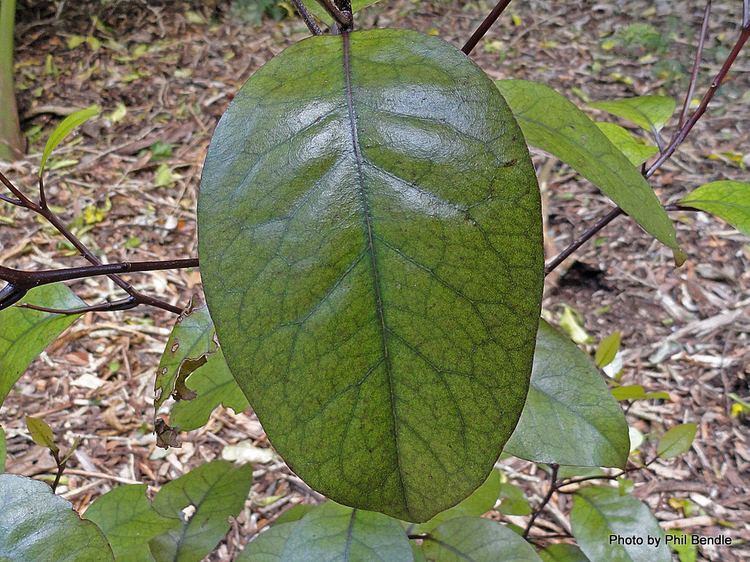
[[676, 441], [648, 112], [213, 492], [478, 540], [685, 552], [568, 393], [554, 124], [41, 433], [129, 522], [637, 392], [562, 553], [513, 500], [38, 526], [253, 11], [213, 385], [66, 126], [601, 512], [323, 16], [333, 532], [607, 350], [24, 333], [372, 260], [478, 503], [634, 149], [728, 200]]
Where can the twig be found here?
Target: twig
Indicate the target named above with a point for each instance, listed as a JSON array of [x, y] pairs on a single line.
[[308, 19], [10, 200], [696, 64], [122, 304], [484, 27], [343, 17], [676, 141], [545, 500]]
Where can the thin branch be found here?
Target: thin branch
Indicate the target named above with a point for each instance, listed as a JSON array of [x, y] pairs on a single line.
[[42, 194], [545, 500], [484, 27], [342, 17], [111, 306], [696, 64], [307, 17], [10, 200], [29, 279]]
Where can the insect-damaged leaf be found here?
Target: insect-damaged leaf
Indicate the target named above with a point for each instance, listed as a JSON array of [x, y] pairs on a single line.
[[370, 243]]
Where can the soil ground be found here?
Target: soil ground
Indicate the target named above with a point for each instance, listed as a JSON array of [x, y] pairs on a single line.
[[129, 181]]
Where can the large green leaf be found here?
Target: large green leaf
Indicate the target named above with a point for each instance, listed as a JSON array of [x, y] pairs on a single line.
[[635, 150], [38, 526], [648, 112], [728, 200], [562, 553], [601, 512], [126, 518], [370, 244], [552, 123], [213, 385], [567, 392], [332, 532], [477, 540], [24, 333], [480, 502], [213, 492]]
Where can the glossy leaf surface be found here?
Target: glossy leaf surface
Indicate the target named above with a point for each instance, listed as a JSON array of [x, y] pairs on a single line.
[[217, 491], [370, 244], [478, 540], [728, 200], [38, 526], [554, 124], [648, 112], [599, 512], [129, 522], [25, 333], [567, 392], [213, 386]]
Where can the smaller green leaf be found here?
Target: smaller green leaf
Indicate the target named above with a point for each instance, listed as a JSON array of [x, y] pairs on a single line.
[[334, 532], [213, 385], [681, 543], [191, 341], [633, 149], [478, 503], [572, 324], [478, 540], [568, 392], [648, 112], [65, 127], [607, 350], [637, 392], [41, 433], [38, 526], [269, 545], [676, 441], [129, 522], [24, 333], [3, 449], [562, 553], [513, 500], [295, 513], [609, 526], [728, 200], [211, 493]]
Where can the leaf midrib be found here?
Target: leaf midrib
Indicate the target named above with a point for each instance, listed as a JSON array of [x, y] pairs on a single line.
[[352, 115]]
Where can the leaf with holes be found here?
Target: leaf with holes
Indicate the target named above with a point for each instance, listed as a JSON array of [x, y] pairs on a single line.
[[189, 344], [568, 392], [371, 249], [203, 500], [554, 124], [728, 200], [213, 385], [36, 525], [478, 540], [128, 520], [24, 333]]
